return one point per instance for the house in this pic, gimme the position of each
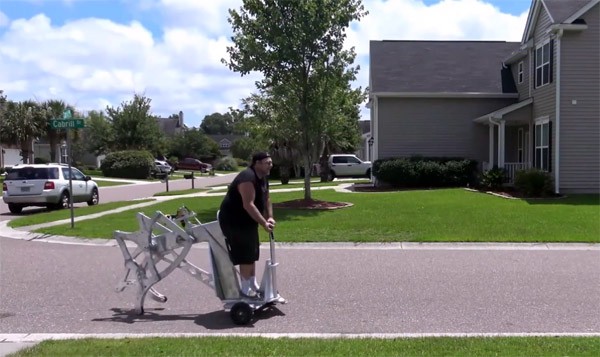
(225, 141)
(172, 125)
(534, 103)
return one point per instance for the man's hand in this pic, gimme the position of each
(269, 225)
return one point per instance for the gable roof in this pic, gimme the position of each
(437, 66)
(559, 11)
(229, 137)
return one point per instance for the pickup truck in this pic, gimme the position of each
(348, 165)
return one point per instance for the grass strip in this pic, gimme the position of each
(248, 346)
(51, 216)
(449, 215)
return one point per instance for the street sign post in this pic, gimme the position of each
(68, 122)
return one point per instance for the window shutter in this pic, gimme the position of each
(550, 75)
(550, 146)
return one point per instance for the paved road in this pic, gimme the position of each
(330, 290)
(131, 191)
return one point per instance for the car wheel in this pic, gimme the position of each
(13, 208)
(95, 198)
(64, 201)
(368, 173)
(331, 176)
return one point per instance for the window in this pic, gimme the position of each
(225, 144)
(520, 141)
(543, 68)
(542, 145)
(520, 70)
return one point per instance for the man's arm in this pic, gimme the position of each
(246, 190)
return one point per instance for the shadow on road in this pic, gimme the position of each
(216, 320)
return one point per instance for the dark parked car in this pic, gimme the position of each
(193, 164)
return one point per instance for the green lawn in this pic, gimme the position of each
(449, 215)
(50, 216)
(245, 346)
(102, 183)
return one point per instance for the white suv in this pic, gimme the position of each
(46, 185)
(348, 165)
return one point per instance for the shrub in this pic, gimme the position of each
(534, 183)
(241, 162)
(40, 160)
(425, 172)
(226, 163)
(128, 164)
(493, 179)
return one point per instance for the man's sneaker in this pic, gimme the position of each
(249, 292)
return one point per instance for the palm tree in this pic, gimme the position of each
(54, 110)
(23, 122)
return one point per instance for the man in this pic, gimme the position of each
(245, 206)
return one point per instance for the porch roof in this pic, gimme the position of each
(498, 114)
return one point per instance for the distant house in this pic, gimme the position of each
(225, 142)
(514, 105)
(172, 125)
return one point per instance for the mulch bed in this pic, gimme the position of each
(311, 204)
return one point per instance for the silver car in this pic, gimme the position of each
(46, 185)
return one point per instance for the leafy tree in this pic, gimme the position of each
(54, 109)
(133, 126)
(298, 47)
(194, 143)
(217, 123)
(98, 133)
(243, 148)
(23, 122)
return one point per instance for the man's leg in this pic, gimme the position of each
(247, 270)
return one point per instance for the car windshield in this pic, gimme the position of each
(33, 173)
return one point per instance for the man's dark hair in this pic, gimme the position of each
(261, 155)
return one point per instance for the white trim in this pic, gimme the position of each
(556, 145)
(531, 20)
(443, 95)
(566, 27)
(581, 11)
(376, 136)
(542, 120)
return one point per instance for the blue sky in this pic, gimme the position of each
(94, 53)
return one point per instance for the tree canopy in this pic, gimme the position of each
(299, 48)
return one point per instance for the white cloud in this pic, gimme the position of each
(95, 62)
(4, 20)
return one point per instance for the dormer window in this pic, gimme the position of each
(543, 64)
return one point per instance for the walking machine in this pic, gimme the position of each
(162, 245)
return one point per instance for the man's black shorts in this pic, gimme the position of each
(242, 242)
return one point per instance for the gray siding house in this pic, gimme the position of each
(513, 105)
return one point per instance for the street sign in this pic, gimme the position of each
(67, 121)
(67, 114)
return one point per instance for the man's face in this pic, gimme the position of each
(264, 166)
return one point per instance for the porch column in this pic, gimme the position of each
(501, 143)
(491, 148)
